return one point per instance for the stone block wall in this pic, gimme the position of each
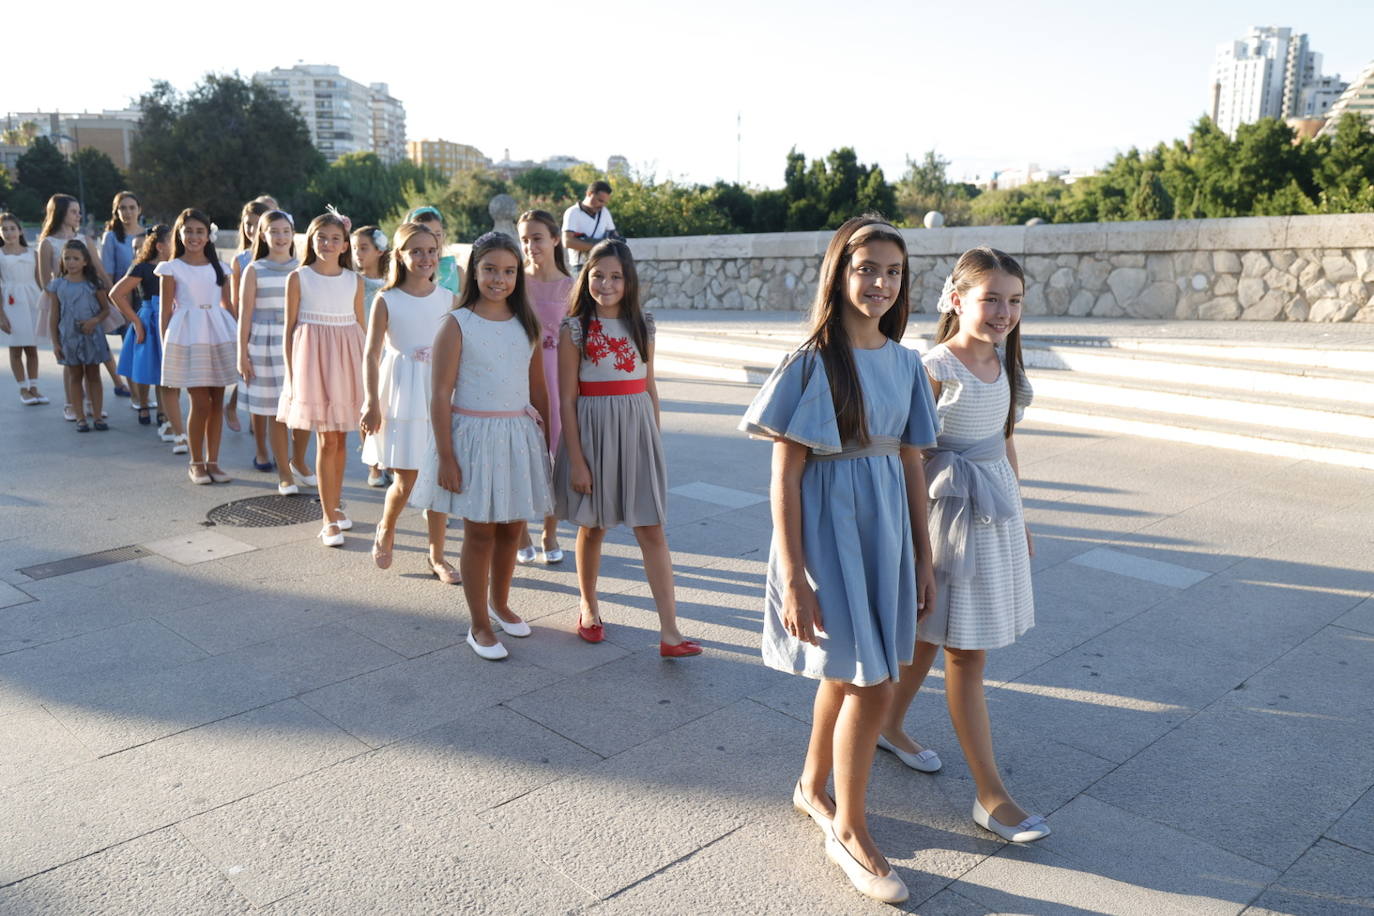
(1301, 268)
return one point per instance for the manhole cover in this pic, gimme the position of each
(266, 511)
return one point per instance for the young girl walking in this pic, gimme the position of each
(136, 297)
(20, 329)
(549, 284)
(262, 320)
(198, 334)
(849, 566)
(610, 469)
(248, 234)
(397, 378)
(78, 304)
(370, 259)
(322, 389)
(449, 275)
(491, 465)
(982, 545)
(62, 224)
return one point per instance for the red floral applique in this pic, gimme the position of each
(599, 346)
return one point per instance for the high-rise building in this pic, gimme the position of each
(445, 156)
(1270, 73)
(1358, 97)
(344, 116)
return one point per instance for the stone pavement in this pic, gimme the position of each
(243, 721)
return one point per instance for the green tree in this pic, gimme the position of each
(463, 202)
(548, 184)
(1151, 201)
(358, 184)
(1345, 165)
(99, 179)
(44, 171)
(226, 141)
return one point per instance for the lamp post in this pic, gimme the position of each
(80, 182)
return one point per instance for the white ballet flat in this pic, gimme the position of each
(526, 555)
(888, 888)
(927, 761)
(287, 489)
(490, 653)
(554, 556)
(799, 801)
(331, 540)
(179, 445)
(344, 522)
(1031, 829)
(308, 480)
(520, 629)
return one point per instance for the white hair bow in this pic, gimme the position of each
(946, 303)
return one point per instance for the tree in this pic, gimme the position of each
(225, 142)
(1345, 165)
(548, 184)
(22, 135)
(1151, 201)
(359, 185)
(44, 171)
(99, 178)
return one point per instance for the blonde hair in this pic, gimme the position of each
(396, 270)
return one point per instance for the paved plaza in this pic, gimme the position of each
(238, 720)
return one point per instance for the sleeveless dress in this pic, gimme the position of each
(550, 303)
(991, 603)
(19, 286)
(55, 245)
(620, 440)
(117, 257)
(77, 302)
(141, 363)
(856, 526)
(371, 287)
(266, 327)
(324, 390)
(502, 456)
(200, 348)
(403, 378)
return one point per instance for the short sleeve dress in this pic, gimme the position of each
(856, 527)
(141, 363)
(20, 288)
(403, 379)
(994, 606)
(200, 348)
(78, 302)
(498, 444)
(619, 435)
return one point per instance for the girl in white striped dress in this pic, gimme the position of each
(980, 541)
(262, 319)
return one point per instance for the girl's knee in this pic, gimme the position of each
(651, 536)
(965, 660)
(478, 534)
(593, 535)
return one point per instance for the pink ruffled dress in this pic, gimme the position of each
(324, 389)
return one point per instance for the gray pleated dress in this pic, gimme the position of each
(620, 439)
(856, 525)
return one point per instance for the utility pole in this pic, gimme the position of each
(739, 144)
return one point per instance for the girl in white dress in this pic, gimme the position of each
(980, 541)
(19, 295)
(199, 337)
(405, 316)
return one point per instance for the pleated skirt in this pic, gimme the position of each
(624, 452)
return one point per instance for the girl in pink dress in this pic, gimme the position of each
(323, 385)
(548, 284)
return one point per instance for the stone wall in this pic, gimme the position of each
(1300, 268)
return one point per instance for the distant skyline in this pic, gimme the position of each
(989, 87)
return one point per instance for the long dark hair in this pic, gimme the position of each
(151, 239)
(116, 225)
(397, 272)
(517, 301)
(582, 306)
(827, 336)
(7, 216)
(370, 232)
(88, 272)
(545, 218)
(179, 249)
(262, 245)
(972, 269)
(317, 224)
(248, 220)
(56, 214)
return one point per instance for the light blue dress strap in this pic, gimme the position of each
(795, 403)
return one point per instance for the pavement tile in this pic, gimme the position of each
(1356, 826)
(1360, 617)
(10, 596)
(1329, 880)
(198, 547)
(33, 743)
(160, 874)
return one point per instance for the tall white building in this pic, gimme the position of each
(344, 116)
(1358, 98)
(1270, 73)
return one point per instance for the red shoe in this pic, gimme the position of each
(591, 634)
(681, 650)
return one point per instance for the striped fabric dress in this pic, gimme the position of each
(200, 348)
(265, 335)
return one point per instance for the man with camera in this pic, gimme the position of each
(587, 222)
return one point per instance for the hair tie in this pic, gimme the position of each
(333, 211)
(379, 239)
(946, 303)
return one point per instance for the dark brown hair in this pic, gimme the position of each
(179, 248)
(316, 225)
(582, 306)
(369, 232)
(517, 301)
(397, 272)
(973, 268)
(599, 186)
(116, 225)
(545, 218)
(10, 217)
(56, 213)
(262, 247)
(828, 337)
(151, 239)
(88, 273)
(248, 219)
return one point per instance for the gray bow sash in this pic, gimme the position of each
(962, 492)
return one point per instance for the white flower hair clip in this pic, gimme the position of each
(333, 211)
(214, 231)
(379, 239)
(946, 303)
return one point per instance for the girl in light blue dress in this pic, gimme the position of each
(849, 564)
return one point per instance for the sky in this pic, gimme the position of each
(990, 85)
